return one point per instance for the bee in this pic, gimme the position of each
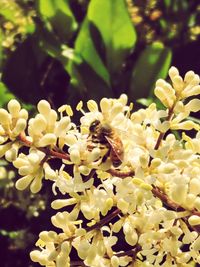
(105, 135)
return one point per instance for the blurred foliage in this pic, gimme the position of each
(67, 50)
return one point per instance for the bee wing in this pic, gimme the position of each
(116, 147)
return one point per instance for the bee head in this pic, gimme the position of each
(106, 129)
(94, 125)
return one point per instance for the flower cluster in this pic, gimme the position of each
(126, 177)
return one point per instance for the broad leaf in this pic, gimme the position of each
(86, 49)
(59, 18)
(111, 19)
(21, 71)
(105, 39)
(5, 95)
(152, 64)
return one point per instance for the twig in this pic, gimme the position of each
(176, 207)
(77, 263)
(161, 135)
(131, 252)
(103, 221)
(47, 151)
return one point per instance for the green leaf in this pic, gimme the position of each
(105, 39)
(145, 101)
(167, 3)
(22, 71)
(59, 17)
(84, 46)
(5, 95)
(111, 20)
(7, 13)
(152, 64)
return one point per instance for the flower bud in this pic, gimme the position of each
(11, 154)
(105, 105)
(117, 108)
(131, 237)
(123, 99)
(65, 247)
(4, 149)
(197, 203)
(47, 139)
(196, 244)
(193, 105)
(39, 124)
(75, 156)
(195, 186)
(70, 139)
(62, 125)
(24, 182)
(14, 108)
(144, 160)
(53, 255)
(179, 193)
(23, 114)
(82, 231)
(44, 108)
(123, 205)
(44, 236)
(52, 120)
(191, 91)
(173, 71)
(178, 83)
(50, 174)
(115, 261)
(34, 158)
(161, 94)
(5, 118)
(84, 170)
(189, 237)
(94, 155)
(194, 220)
(36, 184)
(61, 260)
(189, 76)
(35, 255)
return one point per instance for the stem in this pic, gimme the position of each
(77, 263)
(103, 221)
(165, 199)
(47, 151)
(161, 135)
(55, 154)
(131, 252)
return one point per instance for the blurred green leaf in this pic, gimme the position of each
(152, 64)
(145, 101)
(22, 71)
(167, 3)
(85, 47)
(114, 26)
(5, 95)
(59, 16)
(7, 13)
(103, 43)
